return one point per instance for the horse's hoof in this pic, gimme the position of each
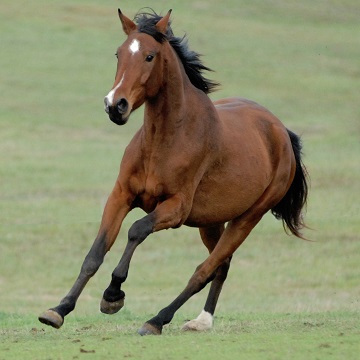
(107, 307)
(203, 322)
(52, 318)
(148, 329)
(193, 325)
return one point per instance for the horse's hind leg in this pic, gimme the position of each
(205, 319)
(210, 237)
(235, 233)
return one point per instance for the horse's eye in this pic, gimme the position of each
(149, 58)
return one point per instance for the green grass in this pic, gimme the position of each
(292, 336)
(59, 157)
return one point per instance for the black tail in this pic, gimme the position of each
(289, 209)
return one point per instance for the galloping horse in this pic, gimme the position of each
(216, 166)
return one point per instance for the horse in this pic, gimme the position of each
(218, 166)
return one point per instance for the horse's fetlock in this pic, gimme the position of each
(112, 295)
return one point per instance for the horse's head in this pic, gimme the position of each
(138, 76)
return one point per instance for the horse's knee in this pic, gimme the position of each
(139, 231)
(95, 257)
(90, 266)
(92, 263)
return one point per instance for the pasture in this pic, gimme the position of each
(59, 157)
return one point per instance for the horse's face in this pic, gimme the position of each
(138, 76)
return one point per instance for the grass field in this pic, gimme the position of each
(59, 156)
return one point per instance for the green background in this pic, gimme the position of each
(59, 158)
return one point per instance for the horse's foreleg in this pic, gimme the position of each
(115, 210)
(113, 298)
(166, 214)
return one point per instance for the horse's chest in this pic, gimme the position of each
(152, 192)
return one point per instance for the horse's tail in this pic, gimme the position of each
(290, 207)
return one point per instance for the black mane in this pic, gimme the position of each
(190, 59)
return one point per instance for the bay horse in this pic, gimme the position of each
(219, 166)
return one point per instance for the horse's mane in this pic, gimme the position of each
(193, 66)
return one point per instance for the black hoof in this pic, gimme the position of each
(148, 329)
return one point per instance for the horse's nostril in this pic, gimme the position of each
(122, 106)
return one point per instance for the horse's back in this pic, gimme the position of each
(248, 124)
(249, 127)
(235, 101)
(241, 111)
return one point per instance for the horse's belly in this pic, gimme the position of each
(216, 202)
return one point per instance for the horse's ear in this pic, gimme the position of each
(163, 23)
(127, 24)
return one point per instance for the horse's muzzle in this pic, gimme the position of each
(118, 113)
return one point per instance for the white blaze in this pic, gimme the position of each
(134, 46)
(110, 95)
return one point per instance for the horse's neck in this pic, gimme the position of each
(178, 109)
